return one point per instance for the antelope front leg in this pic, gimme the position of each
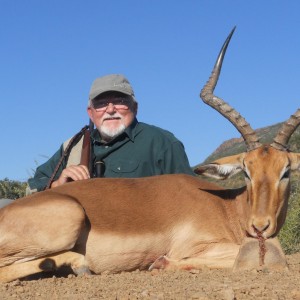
(191, 263)
(219, 256)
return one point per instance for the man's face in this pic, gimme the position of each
(112, 113)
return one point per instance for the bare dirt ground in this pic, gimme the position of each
(198, 284)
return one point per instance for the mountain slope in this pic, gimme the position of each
(265, 134)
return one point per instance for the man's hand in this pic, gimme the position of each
(74, 173)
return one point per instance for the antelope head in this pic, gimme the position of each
(266, 167)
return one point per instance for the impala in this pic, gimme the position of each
(161, 222)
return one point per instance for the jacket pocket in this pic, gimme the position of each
(123, 166)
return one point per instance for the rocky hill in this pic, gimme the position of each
(265, 134)
(237, 145)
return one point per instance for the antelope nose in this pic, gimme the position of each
(261, 225)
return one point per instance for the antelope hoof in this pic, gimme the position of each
(82, 270)
(160, 263)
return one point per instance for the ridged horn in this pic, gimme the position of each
(222, 107)
(281, 140)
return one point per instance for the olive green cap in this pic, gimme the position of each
(113, 82)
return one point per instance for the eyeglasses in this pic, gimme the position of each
(118, 103)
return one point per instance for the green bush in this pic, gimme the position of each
(12, 189)
(289, 235)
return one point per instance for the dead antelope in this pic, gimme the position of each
(165, 222)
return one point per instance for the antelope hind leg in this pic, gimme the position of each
(249, 258)
(48, 263)
(35, 227)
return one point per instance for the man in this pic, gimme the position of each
(126, 147)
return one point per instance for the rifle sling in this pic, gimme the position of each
(75, 139)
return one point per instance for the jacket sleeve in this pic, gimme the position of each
(174, 160)
(44, 172)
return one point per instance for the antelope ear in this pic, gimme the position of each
(222, 168)
(295, 161)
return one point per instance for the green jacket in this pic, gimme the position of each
(142, 150)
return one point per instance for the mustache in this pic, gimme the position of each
(115, 115)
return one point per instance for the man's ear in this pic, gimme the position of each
(222, 168)
(135, 106)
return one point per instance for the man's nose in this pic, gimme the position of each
(110, 108)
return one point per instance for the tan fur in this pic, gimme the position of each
(126, 224)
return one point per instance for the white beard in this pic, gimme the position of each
(107, 134)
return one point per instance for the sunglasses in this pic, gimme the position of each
(118, 103)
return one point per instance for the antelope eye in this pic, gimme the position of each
(246, 175)
(286, 174)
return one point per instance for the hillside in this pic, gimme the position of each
(237, 145)
(265, 134)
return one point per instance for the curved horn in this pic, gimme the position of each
(222, 107)
(288, 127)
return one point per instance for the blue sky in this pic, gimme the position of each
(51, 51)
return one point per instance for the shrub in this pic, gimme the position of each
(12, 189)
(289, 235)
